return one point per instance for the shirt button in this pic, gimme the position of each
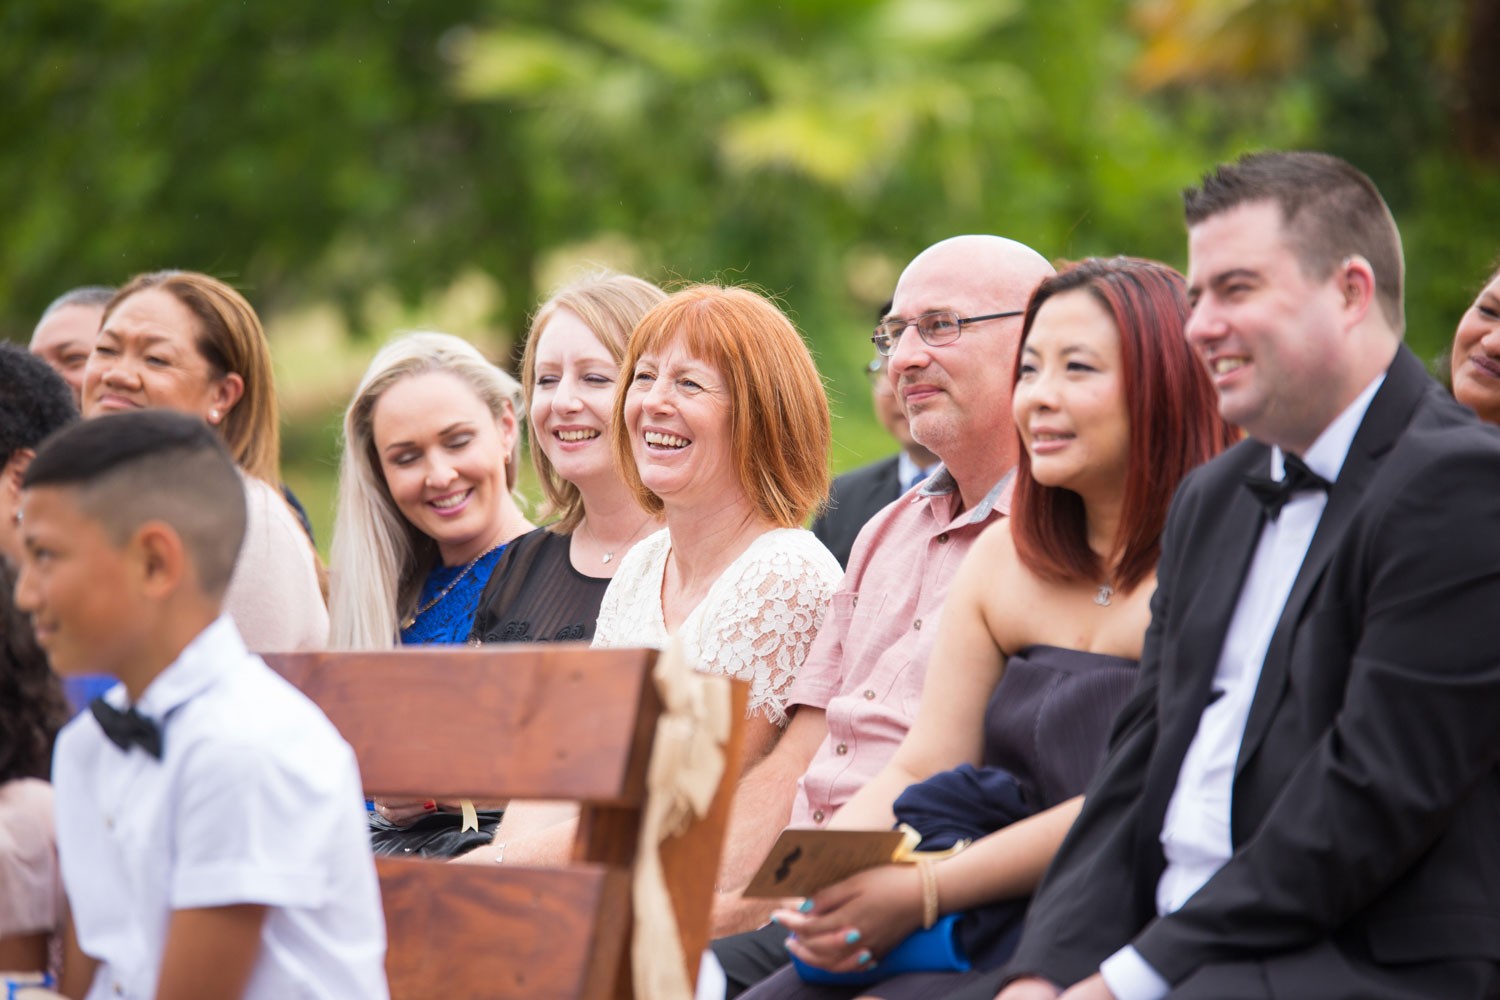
(943, 537)
(818, 816)
(119, 990)
(841, 749)
(869, 696)
(917, 624)
(855, 602)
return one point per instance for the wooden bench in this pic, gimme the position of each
(545, 721)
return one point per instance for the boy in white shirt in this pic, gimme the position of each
(211, 826)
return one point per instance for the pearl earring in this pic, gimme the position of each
(213, 415)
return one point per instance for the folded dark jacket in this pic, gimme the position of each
(968, 803)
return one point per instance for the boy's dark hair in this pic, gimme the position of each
(154, 465)
(34, 401)
(1329, 209)
(32, 707)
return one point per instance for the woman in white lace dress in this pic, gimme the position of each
(721, 426)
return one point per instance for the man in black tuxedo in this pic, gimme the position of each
(1302, 797)
(860, 494)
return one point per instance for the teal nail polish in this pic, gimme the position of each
(775, 919)
(865, 958)
(805, 906)
(851, 937)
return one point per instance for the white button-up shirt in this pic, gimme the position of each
(256, 799)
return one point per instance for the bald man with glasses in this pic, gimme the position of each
(949, 340)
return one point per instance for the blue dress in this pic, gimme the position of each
(452, 618)
(448, 621)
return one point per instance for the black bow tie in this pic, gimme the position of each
(1297, 478)
(127, 727)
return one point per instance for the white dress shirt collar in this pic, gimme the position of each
(1326, 454)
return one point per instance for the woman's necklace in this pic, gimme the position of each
(1105, 593)
(611, 553)
(411, 619)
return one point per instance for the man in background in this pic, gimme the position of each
(950, 343)
(859, 494)
(64, 336)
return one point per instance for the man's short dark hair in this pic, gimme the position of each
(34, 401)
(85, 295)
(154, 465)
(1329, 209)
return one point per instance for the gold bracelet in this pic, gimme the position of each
(929, 893)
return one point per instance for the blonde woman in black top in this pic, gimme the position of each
(549, 582)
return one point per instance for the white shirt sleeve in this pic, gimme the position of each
(252, 827)
(1130, 977)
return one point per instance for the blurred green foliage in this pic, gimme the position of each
(348, 153)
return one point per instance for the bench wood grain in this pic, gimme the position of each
(546, 721)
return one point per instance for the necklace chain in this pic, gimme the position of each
(628, 538)
(411, 619)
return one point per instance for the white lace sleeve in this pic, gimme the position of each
(764, 617)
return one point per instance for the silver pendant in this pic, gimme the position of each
(608, 556)
(1105, 593)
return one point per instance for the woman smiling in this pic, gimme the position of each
(424, 515)
(549, 582)
(184, 341)
(1476, 354)
(721, 427)
(424, 503)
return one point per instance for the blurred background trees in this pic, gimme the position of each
(362, 167)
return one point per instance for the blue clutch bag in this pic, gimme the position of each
(933, 950)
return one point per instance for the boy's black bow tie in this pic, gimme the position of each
(127, 727)
(1297, 478)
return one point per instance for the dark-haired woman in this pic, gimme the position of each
(184, 341)
(1476, 354)
(32, 710)
(1042, 630)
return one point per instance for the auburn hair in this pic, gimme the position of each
(1174, 426)
(780, 430)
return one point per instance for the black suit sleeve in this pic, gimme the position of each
(1415, 733)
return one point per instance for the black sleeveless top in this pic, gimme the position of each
(535, 594)
(1049, 719)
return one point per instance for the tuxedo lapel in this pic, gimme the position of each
(1210, 607)
(1389, 413)
(1213, 572)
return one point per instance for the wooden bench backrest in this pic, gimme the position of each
(547, 721)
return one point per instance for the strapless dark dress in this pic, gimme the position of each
(1049, 717)
(1046, 725)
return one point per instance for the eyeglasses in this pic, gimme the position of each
(935, 328)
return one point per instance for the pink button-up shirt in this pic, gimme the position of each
(866, 667)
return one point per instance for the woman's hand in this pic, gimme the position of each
(404, 812)
(852, 923)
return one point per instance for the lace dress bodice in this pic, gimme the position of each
(756, 623)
